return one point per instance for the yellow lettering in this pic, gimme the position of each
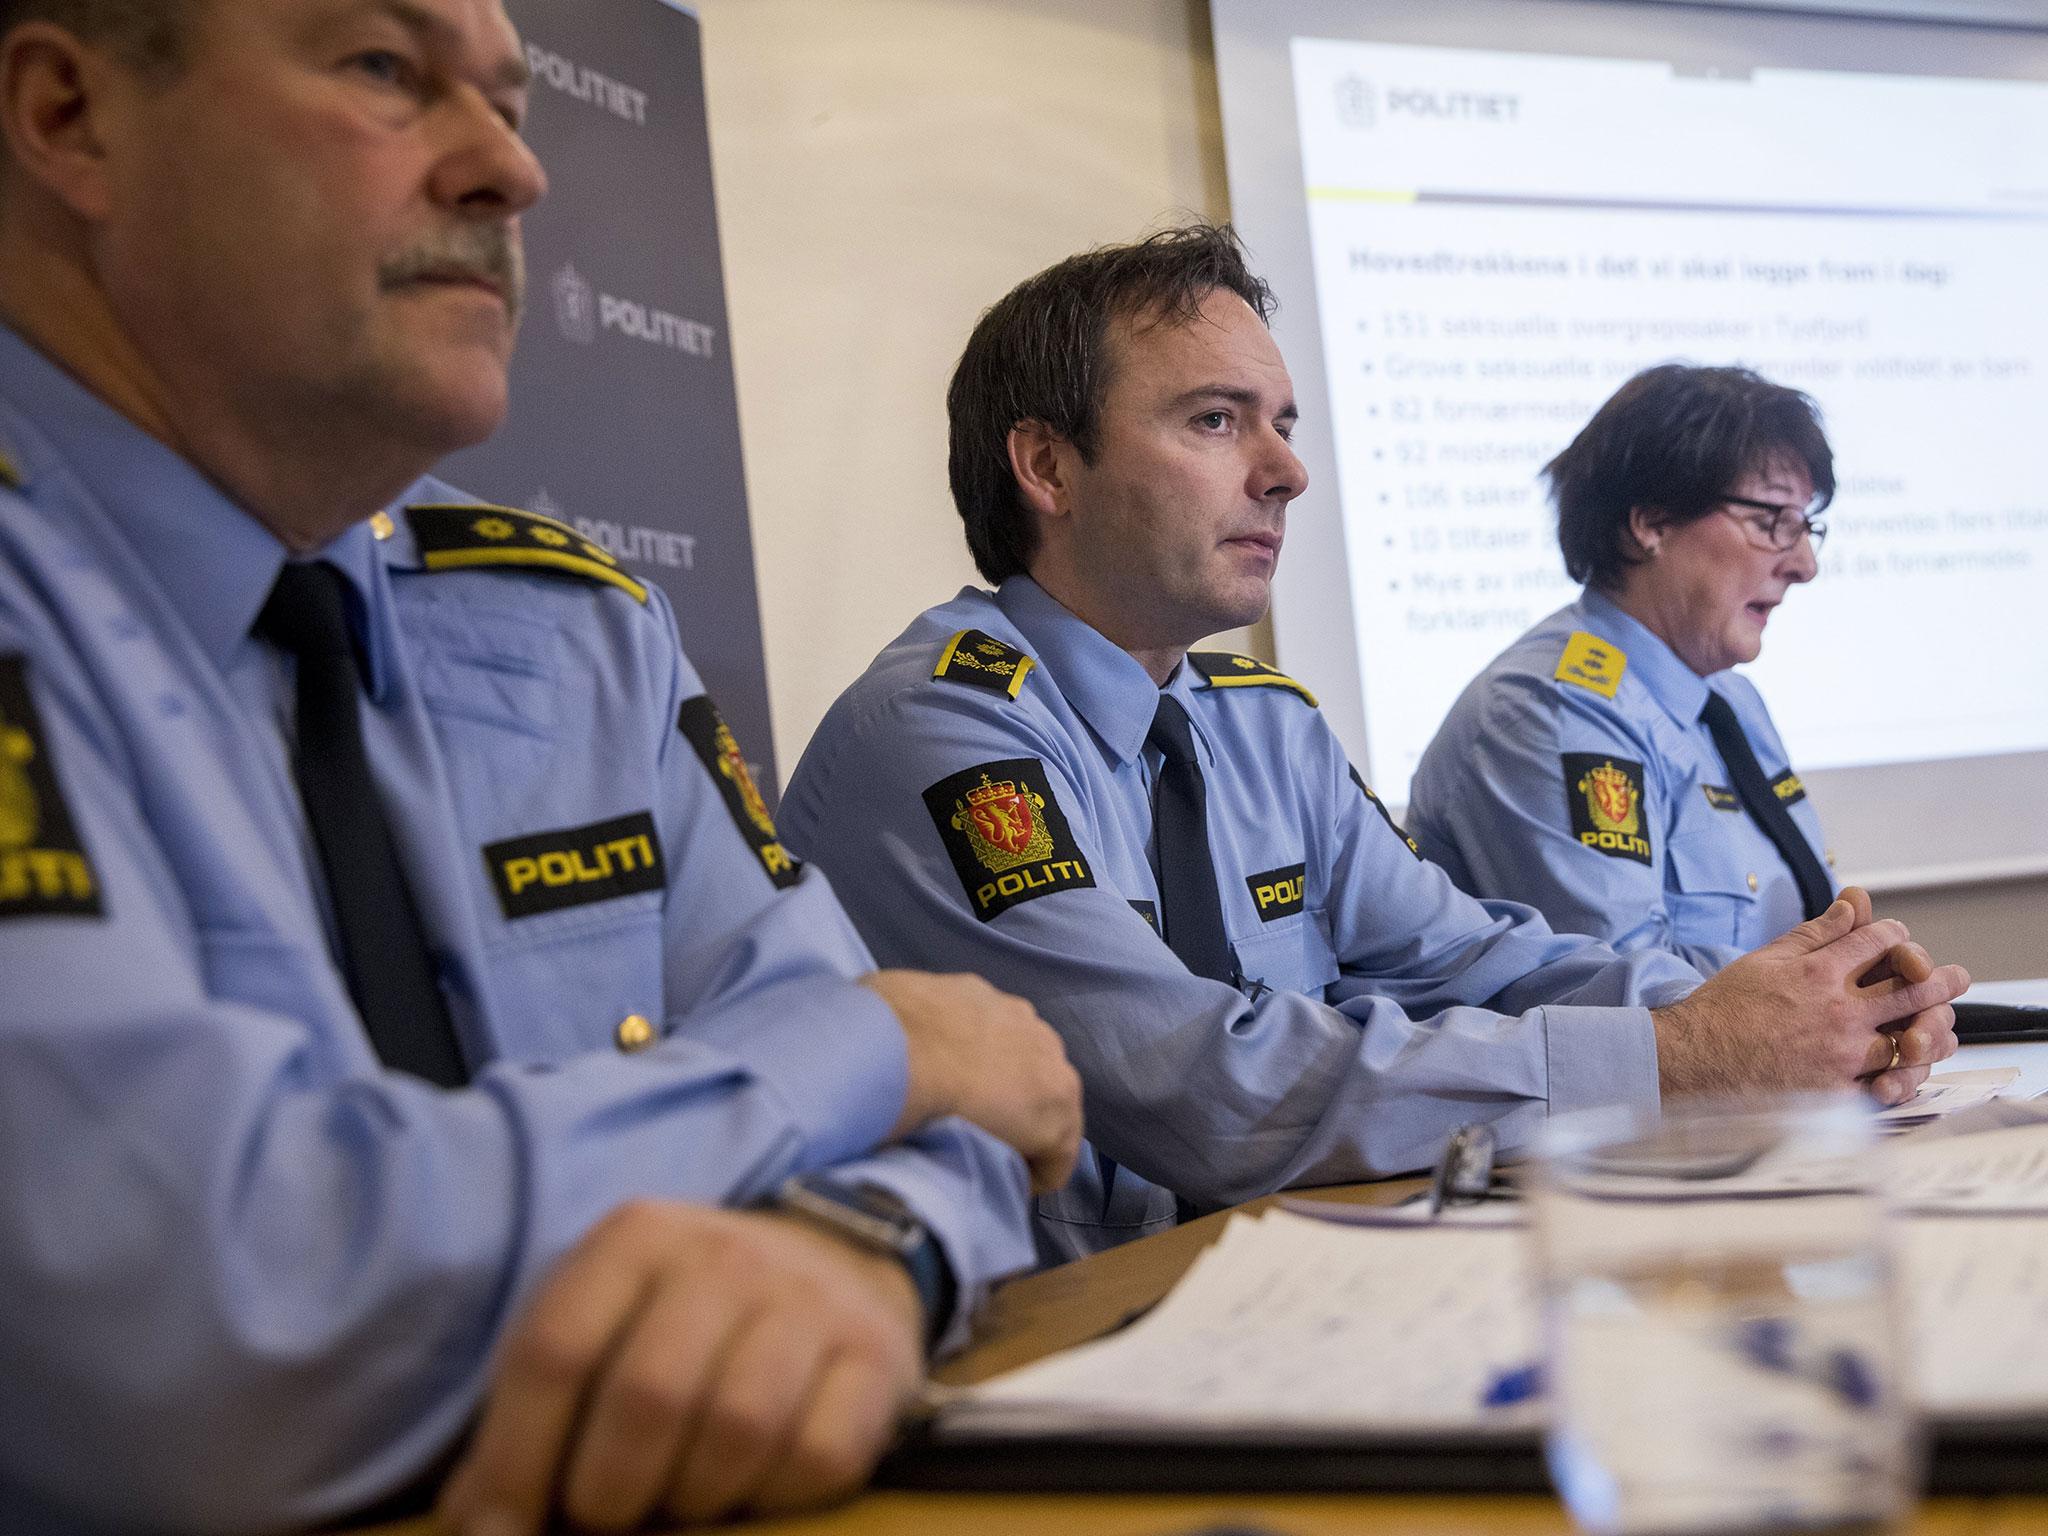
(776, 857)
(1616, 842)
(519, 874)
(646, 851)
(50, 873)
(46, 868)
(557, 869)
(1039, 877)
(1278, 894)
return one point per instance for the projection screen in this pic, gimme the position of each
(1480, 217)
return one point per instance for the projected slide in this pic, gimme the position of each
(1500, 239)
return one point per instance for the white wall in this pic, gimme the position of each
(886, 170)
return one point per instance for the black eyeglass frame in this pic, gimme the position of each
(1809, 526)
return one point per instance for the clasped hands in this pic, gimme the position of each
(1821, 1007)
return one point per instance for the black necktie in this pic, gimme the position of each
(1764, 807)
(1192, 912)
(383, 949)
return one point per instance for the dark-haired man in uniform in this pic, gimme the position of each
(1260, 980)
(399, 973)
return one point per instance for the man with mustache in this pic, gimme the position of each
(401, 975)
(1261, 982)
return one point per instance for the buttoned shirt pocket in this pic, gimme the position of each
(1710, 896)
(1292, 955)
(572, 985)
(489, 667)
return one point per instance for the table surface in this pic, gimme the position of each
(1037, 1314)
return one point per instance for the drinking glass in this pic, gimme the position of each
(1723, 1336)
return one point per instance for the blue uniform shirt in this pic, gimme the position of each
(998, 819)
(251, 1279)
(1523, 792)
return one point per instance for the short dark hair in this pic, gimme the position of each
(1042, 353)
(1675, 438)
(148, 34)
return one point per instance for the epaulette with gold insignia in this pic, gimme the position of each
(452, 537)
(1226, 669)
(1592, 663)
(982, 661)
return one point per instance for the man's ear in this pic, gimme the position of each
(1645, 528)
(54, 90)
(1041, 460)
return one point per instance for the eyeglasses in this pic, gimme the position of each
(1781, 526)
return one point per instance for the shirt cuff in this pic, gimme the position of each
(830, 1049)
(1594, 1057)
(972, 1194)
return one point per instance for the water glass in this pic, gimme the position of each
(1723, 1332)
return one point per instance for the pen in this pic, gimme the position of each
(1771, 1343)
(1519, 1385)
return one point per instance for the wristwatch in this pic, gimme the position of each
(870, 1217)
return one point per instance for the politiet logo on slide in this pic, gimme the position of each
(1358, 102)
(1362, 104)
(582, 311)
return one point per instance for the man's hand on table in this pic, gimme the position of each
(1821, 1007)
(687, 1363)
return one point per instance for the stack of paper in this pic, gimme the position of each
(1292, 1324)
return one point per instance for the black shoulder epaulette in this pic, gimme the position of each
(982, 661)
(1226, 669)
(451, 537)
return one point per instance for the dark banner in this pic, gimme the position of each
(624, 421)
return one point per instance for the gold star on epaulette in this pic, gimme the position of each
(982, 661)
(1227, 669)
(452, 537)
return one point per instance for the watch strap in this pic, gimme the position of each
(875, 1218)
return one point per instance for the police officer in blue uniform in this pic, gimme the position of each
(402, 970)
(1260, 980)
(1609, 768)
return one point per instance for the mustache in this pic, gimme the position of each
(490, 251)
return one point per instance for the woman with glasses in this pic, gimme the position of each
(1609, 768)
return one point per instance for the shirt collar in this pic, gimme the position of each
(356, 555)
(1679, 690)
(214, 562)
(1102, 680)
